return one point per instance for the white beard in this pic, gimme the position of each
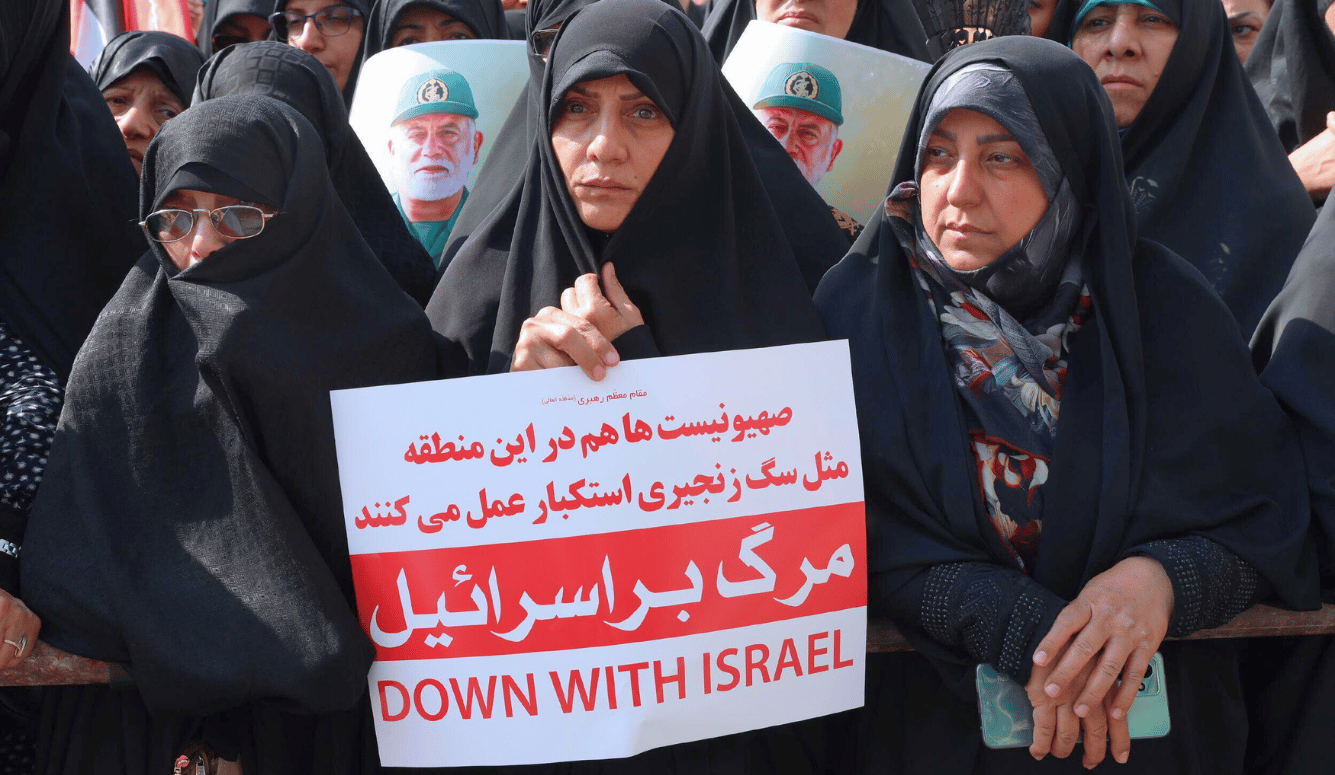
(433, 188)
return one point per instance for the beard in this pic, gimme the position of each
(432, 187)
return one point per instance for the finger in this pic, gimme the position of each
(1110, 664)
(1045, 726)
(1119, 733)
(1068, 731)
(616, 294)
(1132, 674)
(1076, 658)
(589, 294)
(570, 301)
(1095, 727)
(1070, 621)
(536, 355)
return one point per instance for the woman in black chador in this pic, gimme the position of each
(191, 530)
(889, 25)
(1066, 450)
(289, 74)
(1209, 179)
(390, 24)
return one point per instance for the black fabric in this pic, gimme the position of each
(289, 74)
(1292, 67)
(218, 11)
(191, 527)
(365, 7)
(702, 253)
(890, 25)
(1209, 178)
(810, 228)
(170, 57)
(67, 233)
(1143, 454)
(486, 17)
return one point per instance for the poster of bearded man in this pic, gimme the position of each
(838, 108)
(425, 118)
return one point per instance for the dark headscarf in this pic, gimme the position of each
(1142, 452)
(814, 236)
(1292, 67)
(191, 526)
(1294, 349)
(702, 252)
(67, 233)
(218, 11)
(289, 74)
(486, 17)
(890, 25)
(1209, 178)
(169, 57)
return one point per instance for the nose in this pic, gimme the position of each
(1124, 39)
(137, 124)
(964, 189)
(609, 141)
(310, 40)
(435, 146)
(790, 144)
(205, 239)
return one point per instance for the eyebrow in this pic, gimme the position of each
(1004, 137)
(1240, 16)
(405, 26)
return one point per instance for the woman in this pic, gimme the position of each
(662, 232)
(1045, 479)
(1200, 154)
(810, 228)
(1292, 67)
(396, 23)
(289, 74)
(146, 78)
(890, 25)
(229, 22)
(191, 529)
(329, 30)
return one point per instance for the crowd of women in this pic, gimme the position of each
(1091, 332)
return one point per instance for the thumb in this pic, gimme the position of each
(613, 290)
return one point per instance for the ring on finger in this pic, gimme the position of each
(20, 645)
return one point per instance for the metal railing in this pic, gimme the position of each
(49, 666)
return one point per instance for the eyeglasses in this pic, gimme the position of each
(221, 42)
(332, 21)
(235, 221)
(540, 42)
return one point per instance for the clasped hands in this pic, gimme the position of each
(1110, 631)
(581, 332)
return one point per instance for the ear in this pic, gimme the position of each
(838, 146)
(477, 146)
(390, 144)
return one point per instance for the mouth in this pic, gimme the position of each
(602, 184)
(433, 169)
(136, 156)
(1120, 80)
(798, 17)
(964, 229)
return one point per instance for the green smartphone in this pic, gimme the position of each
(1008, 718)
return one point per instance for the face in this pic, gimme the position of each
(980, 195)
(1128, 46)
(609, 139)
(1245, 18)
(203, 239)
(240, 28)
(1040, 16)
(338, 53)
(424, 24)
(828, 17)
(811, 140)
(1330, 18)
(141, 104)
(433, 154)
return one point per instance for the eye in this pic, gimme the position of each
(576, 108)
(646, 113)
(167, 113)
(936, 152)
(459, 36)
(1243, 30)
(408, 41)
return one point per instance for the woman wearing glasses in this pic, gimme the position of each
(192, 529)
(330, 30)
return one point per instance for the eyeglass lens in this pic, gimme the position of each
(235, 221)
(332, 21)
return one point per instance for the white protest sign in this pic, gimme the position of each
(839, 108)
(555, 569)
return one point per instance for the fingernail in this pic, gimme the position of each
(1052, 690)
(1122, 757)
(598, 373)
(1082, 710)
(1040, 657)
(1117, 713)
(611, 359)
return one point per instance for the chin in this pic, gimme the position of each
(601, 220)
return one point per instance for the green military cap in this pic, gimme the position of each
(804, 86)
(435, 91)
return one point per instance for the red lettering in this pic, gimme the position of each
(611, 689)
(474, 693)
(679, 679)
(813, 652)
(753, 664)
(788, 658)
(837, 663)
(634, 671)
(384, 701)
(708, 688)
(576, 683)
(729, 669)
(529, 701)
(440, 692)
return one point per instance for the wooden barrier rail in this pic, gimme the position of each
(49, 666)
